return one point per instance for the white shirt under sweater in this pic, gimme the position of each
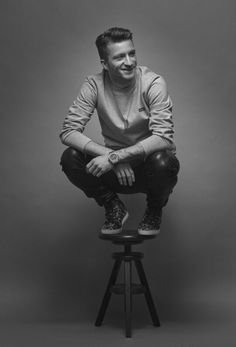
(126, 116)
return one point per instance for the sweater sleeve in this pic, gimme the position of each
(80, 113)
(160, 109)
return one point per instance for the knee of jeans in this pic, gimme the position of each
(70, 158)
(163, 163)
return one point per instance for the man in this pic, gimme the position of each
(135, 113)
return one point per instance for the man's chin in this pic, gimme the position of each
(128, 74)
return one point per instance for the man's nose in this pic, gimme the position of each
(128, 60)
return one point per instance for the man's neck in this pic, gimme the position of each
(122, 84)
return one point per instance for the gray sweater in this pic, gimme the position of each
(125, 120)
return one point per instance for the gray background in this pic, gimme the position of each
(53, 266)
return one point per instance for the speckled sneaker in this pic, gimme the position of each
(116, 215)
(150, 223)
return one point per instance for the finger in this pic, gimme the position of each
(119, 178)
(99, 174)
(123, 176)
(93, 170)
(132, 175)
(128, 177)
(90, 167)
(96, 172)
(90, 164)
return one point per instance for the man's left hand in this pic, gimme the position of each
(99, 165)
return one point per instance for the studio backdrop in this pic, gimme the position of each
(53, 265)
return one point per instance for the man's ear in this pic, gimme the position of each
(104, 64)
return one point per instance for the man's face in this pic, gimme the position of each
(121, 61)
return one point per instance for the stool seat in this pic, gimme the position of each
(127, 238)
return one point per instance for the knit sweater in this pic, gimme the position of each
(126, 117)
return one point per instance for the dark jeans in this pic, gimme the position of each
(156, 177)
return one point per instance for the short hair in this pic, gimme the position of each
(114, 34)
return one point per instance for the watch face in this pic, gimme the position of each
(114, 158)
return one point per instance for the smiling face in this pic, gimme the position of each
(120, 62)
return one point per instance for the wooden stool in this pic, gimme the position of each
(127, 238)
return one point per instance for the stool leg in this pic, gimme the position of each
(107, 294)
(127, 297)
(147, 293)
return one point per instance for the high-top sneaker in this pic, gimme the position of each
(115, 216)
(151, 221)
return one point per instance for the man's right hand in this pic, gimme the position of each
(124, 173)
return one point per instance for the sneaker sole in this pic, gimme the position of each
(148, 232)
(115, 231)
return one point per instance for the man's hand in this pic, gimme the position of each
(99, 165)
(124, 173)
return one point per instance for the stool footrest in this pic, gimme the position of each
(136, 288)
(127, 256)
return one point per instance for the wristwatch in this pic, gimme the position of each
(113, 158)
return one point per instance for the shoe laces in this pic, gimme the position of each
(151, 215)
(114, 211)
